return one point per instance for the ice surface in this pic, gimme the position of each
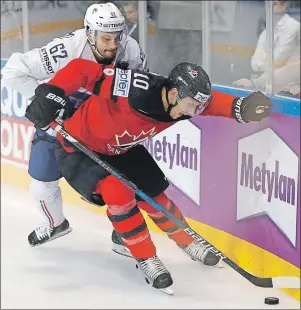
(79, 270)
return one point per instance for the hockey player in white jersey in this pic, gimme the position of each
(103, 40)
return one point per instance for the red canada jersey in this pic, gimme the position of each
(125, 107)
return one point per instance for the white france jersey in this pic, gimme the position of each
(24, 72)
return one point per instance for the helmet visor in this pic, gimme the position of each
(190, 106)
(109, 36)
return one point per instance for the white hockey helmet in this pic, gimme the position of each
(104, 17)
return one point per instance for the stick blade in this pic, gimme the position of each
(286, 282)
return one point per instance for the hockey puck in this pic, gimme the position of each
(271, 300)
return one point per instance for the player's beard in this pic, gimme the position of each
(109, 54)
(103, 59)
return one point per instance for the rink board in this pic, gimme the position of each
(237, 184)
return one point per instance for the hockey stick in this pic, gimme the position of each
(280, 282)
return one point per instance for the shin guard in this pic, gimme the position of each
(126, 217)
(166, 225)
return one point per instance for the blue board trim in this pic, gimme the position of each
(283, 105)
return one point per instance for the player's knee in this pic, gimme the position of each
(114, 192)
(44, 190)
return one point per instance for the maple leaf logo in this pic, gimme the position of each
(194, 73)
(125, 141)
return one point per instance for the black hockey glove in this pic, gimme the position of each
(253, 108)
(46, 104)
(123, 65)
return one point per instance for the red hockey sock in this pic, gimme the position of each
(126, 217)
(169, 227)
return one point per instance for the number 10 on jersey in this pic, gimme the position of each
(141, 81)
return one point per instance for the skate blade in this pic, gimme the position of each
(121, 250)
(167, 291)
(219, 265)
(63, 233)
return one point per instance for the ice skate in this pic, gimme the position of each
(198, 252)
(156, 274)
(45, 233)
(118, 245)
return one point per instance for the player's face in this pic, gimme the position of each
(186, 106)
(107, 43)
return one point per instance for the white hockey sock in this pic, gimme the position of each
(49, 200)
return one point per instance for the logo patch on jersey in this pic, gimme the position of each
(125, 141)
(46, 61)
(122, 83)
(108, 71)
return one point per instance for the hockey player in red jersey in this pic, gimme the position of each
(128, 106)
